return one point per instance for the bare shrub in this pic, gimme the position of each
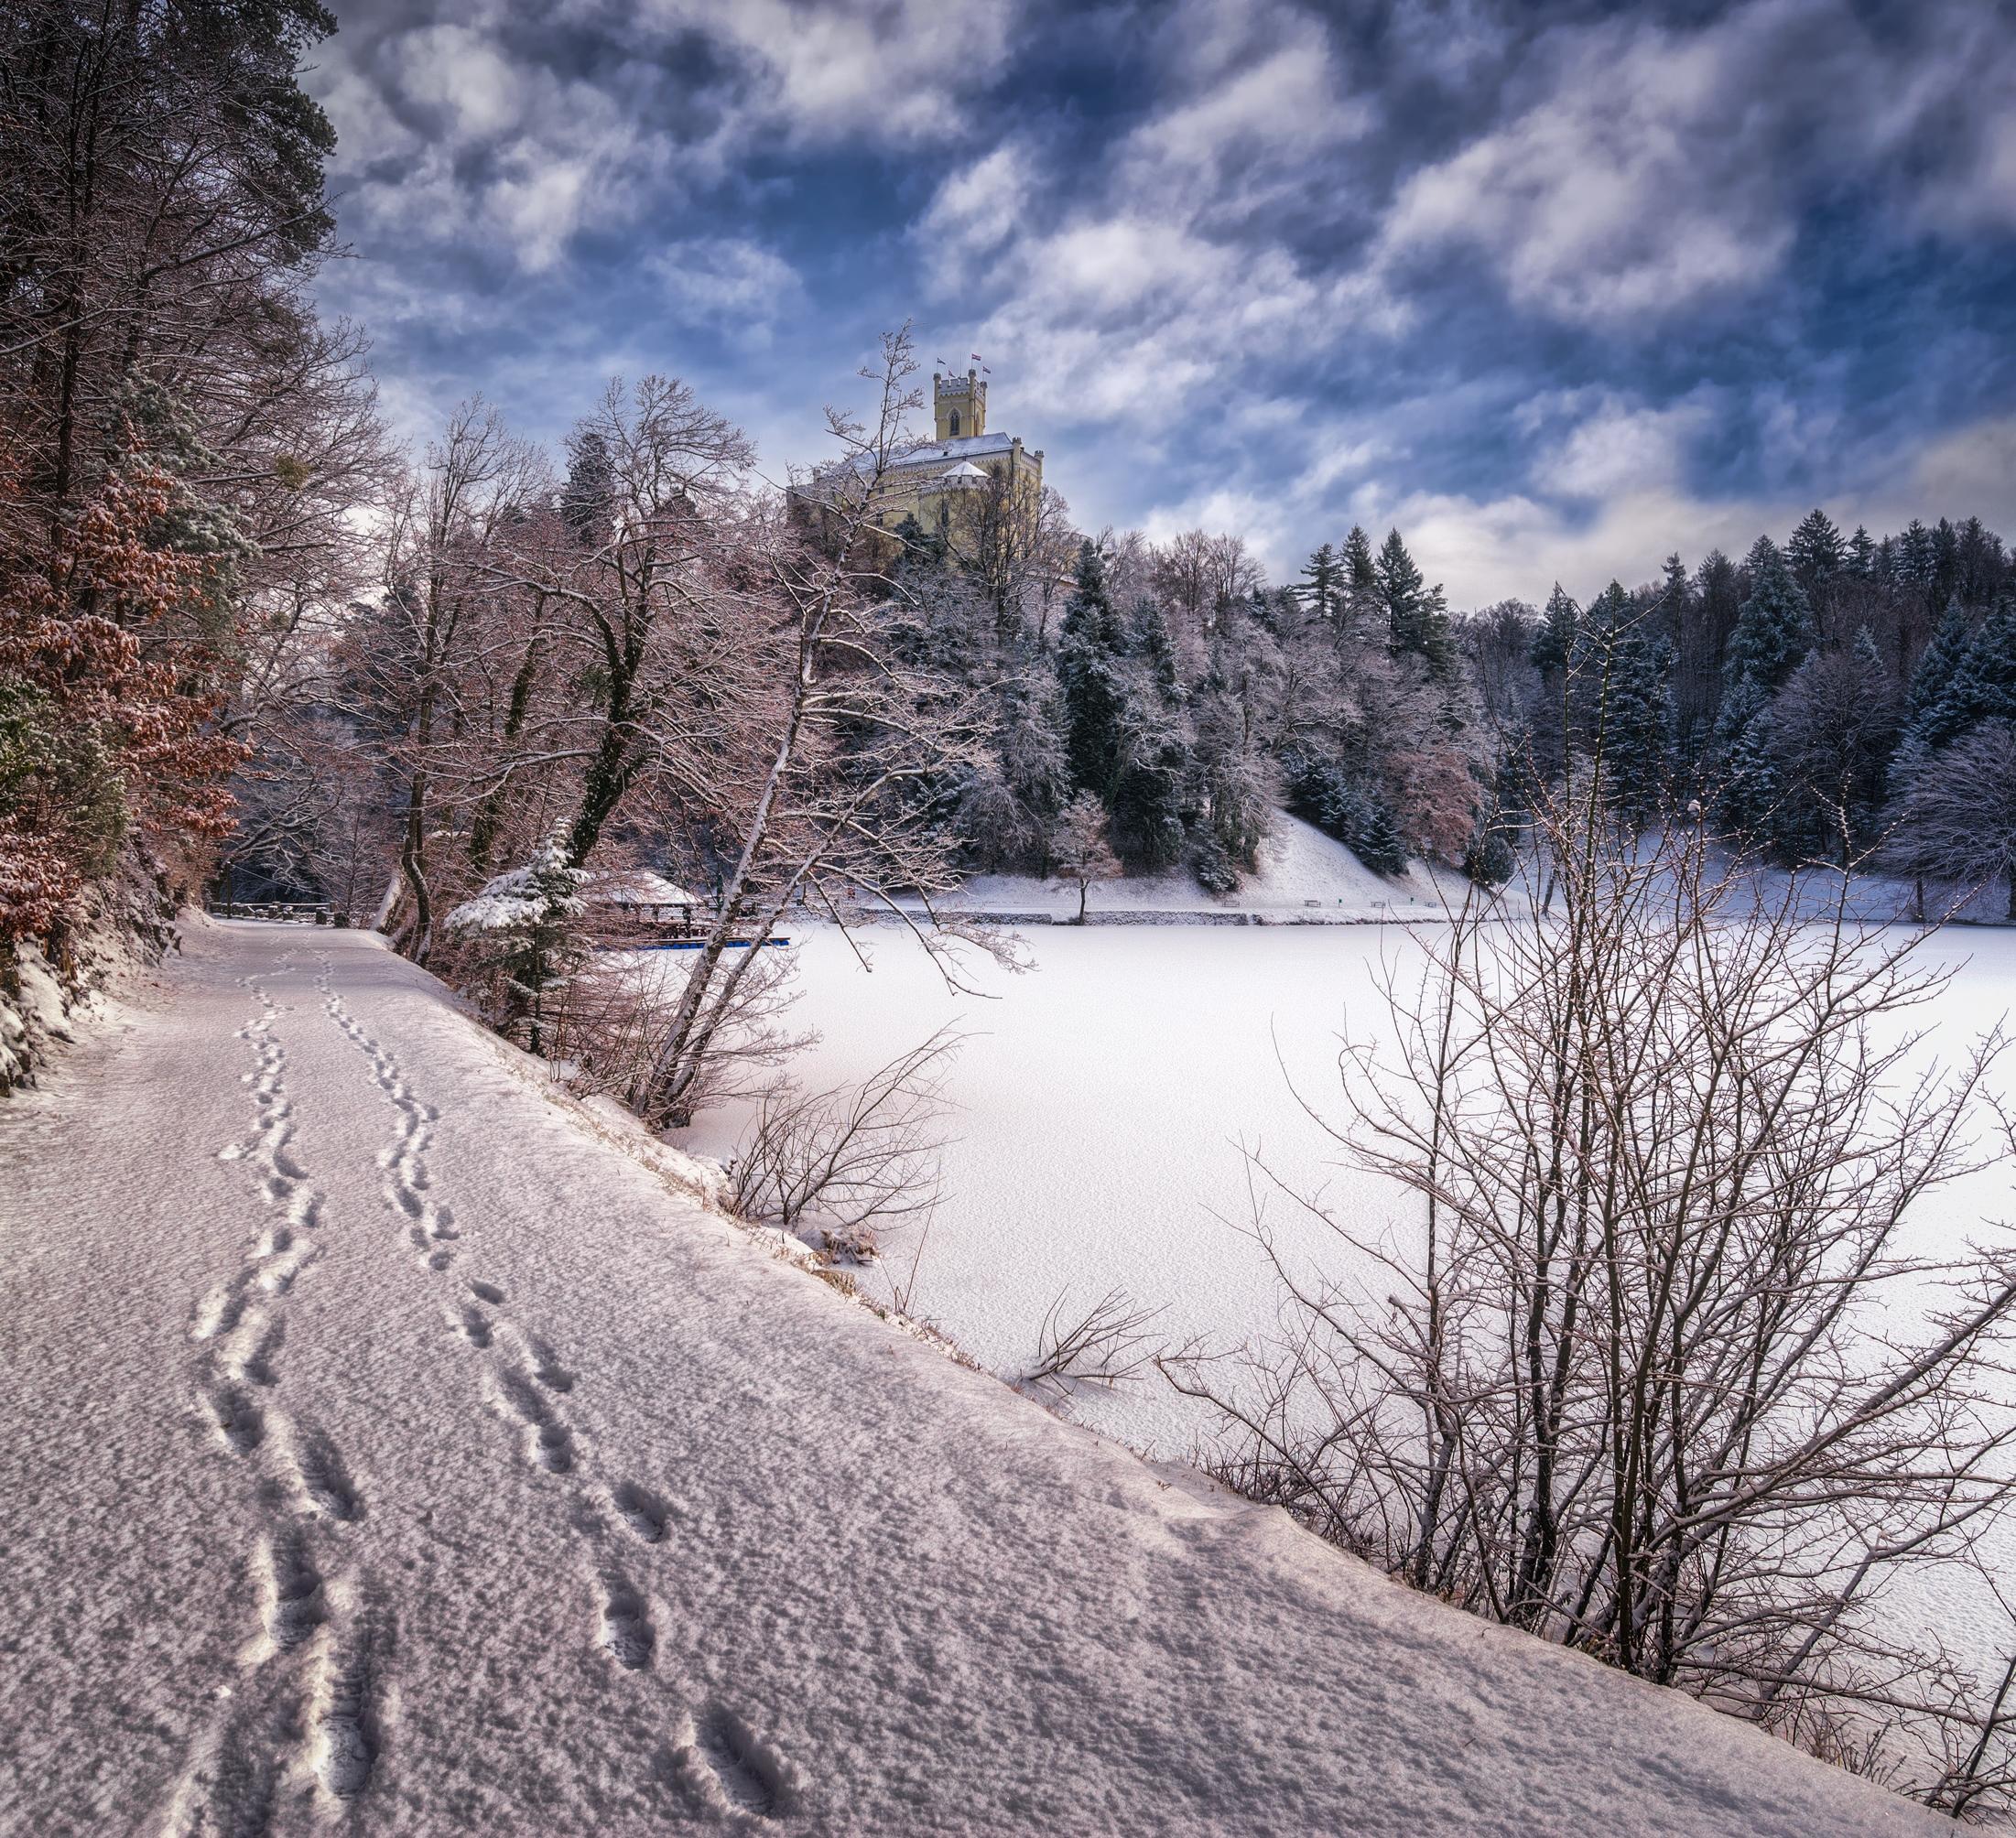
(849, 1161)
(1650, 1365)
(1109, 1345)
(617, 1010)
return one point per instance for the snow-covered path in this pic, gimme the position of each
(385, 1449)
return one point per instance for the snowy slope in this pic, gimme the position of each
(1301, 871)
(385, 1448)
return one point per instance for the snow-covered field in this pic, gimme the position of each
(385, 1446)
(1105, 1096)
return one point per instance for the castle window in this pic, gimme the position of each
(954, 424)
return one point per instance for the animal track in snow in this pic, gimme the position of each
(725, 1770)
(487, 1292)
(408, 1183)
(235, 1777)
(263, 1340)
(219, 1311)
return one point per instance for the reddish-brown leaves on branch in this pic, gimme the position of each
(107, 693)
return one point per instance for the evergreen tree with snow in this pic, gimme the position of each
(1834, 727)
(1748, 795)
(1620, 701)
(1364, 608)
(1322, 587)
(1095, 692)
(1982, 688)
(1775, 627)
(1816, 552)
(1554, 640)
(587, 498)
(1149, 640)
(1913, 563)
(1148, 802)
(523, 930)
(1417, 619)
(1861, 555)
(1936, 668)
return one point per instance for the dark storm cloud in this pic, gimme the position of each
(1554, 287)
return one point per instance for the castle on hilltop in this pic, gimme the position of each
(944, 483)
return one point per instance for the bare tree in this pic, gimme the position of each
(437, 593)
(1080, 851)
(1956, 819)
(1637, 1370)
(833, 793)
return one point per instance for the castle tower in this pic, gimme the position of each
(960, 404)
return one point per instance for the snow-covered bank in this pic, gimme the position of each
(118, 926)
(381, 1442)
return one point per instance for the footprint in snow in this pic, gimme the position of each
(627, 1632)
(642, 1510)
(723, 1769)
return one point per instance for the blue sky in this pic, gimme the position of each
(1555, 288)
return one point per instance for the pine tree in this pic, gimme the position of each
(1915, 564)
(1834, 727)
(1930, 681)
(1417, 619)
(1149, 641)
(1147, 800)
(1773, 627)
(1945, 561)
(1620, 702)
(1555, 641)
(1748, 799)
(1861, 555)
(1322, 589)
(1095, 693)
(587, 500)
(1983, 686)
(524, 926)
(1364, 610)
(1816, 551)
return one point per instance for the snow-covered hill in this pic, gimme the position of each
(385, 1444)
(1302, 873)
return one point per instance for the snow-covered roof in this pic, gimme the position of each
(967, 474)
(937, 453)
(638, 887)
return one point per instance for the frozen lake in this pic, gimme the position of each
(1106, 1092)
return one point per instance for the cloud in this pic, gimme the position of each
(1521, 544)
(1618, 449)
(977, 209)
(1130, 286)
(446, 135)
(738, 287)
(1653, 170)
(899, 71)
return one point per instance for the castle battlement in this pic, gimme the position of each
(958, 406)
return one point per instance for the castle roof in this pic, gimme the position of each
(938, 452)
